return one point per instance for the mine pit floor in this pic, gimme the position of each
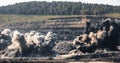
(108, 57)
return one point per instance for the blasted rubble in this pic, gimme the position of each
(101, 38)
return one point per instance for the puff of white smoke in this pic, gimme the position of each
(50, 36)
(50, 39)
(16, 46)
(15, 41)
(93, 38)
(91, 34)
(76, 40)
(26, 34)
(29, 36)
(29, 39)
(84, 37)
(100, 34)
(38, 39)
(18, 42)
(34, 38)
(16, 34)
(6, 32)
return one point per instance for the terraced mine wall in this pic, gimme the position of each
(66, 28)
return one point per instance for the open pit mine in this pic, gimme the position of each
(97, 42)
